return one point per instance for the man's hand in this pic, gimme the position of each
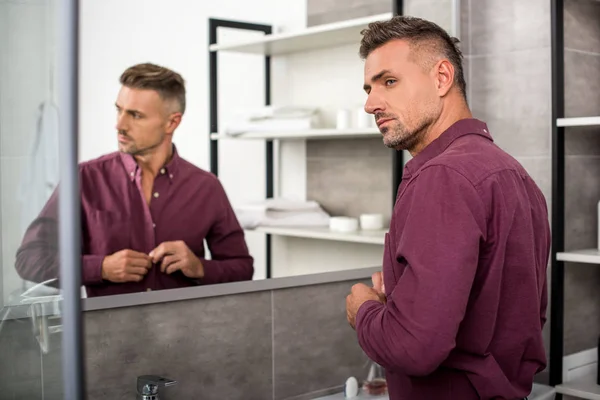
(125, 266)
(359, 295)
(177, 256)
(378, 284)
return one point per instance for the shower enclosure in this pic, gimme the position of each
(37, 151)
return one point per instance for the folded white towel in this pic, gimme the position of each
(272, 118)
(282, 212)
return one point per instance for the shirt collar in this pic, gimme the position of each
(170, 168)
(463, 127)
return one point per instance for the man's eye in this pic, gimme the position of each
(390, 82)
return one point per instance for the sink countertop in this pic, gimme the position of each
(361, 396)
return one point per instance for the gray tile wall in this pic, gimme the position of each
(264, 345)
(327, 11)
(350, 177)
(508, 62)
(582, 175)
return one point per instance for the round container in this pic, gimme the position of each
(344, 119)
(371, 222)
(343, 224)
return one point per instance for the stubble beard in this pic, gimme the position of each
(399, 137)
(133, 149)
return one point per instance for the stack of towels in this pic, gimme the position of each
(282, 212)
(272, 119)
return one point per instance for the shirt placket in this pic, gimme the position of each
(149, 231)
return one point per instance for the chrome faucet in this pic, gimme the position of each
(148, 385)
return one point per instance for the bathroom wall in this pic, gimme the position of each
(263, 345)
(26, 54)
(582, 175)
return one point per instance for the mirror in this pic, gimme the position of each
(152, 117)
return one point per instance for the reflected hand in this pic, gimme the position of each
(378, 284)
(360, 294)
(125, 266)
(177, 256)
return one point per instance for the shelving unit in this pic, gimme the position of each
(277, 44)
(368, 237)
(588, 256)
(581, 387)
(317, 37)
(312, 134)
(579, 121)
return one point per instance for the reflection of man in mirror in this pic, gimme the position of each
(145, 211)
(459, 309)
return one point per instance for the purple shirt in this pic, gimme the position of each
(465, 275)
(187, 204)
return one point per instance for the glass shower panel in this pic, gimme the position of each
(30, 306)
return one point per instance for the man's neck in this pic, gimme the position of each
(151, 163)
(446, 120)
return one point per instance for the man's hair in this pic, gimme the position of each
(428, 39)
(169, 84)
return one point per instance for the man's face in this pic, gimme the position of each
(143, 120)
(401, 95)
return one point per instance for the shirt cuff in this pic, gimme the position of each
(366, 308)
(211, 272)
(92, 269)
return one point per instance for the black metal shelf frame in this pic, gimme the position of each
(213, 25)
(557, 287)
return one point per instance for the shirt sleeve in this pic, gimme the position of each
(38, 260)
(230, 259)
(416, 329)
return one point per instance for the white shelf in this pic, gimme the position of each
(327, 35)
(303, 134)
(590, 256)
(583, 388)
(368, 237)
(580, 121)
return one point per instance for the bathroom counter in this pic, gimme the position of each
(361, 396)
(539, 392)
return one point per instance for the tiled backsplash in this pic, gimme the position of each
(350, 177)
(263, 345)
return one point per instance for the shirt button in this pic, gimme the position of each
(171, 176)
(132, 173)
(162, 171)
(154, 225)
(155, 194)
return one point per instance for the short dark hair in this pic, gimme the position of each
(422, 35)
(169, 84)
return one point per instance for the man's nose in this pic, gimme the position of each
(374, 104)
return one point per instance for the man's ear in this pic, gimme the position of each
(173, 122)
(444, 75)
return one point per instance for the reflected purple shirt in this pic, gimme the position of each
(187, 204)
(465, 275)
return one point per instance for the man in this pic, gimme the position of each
(459, 309)
(145, 211)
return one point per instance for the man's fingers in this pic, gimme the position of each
(133, 278)
(140, 262)
(162, 250)
(134, 270)
(377, 279)
(174, 267)
(132, 254)
(168, 260)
